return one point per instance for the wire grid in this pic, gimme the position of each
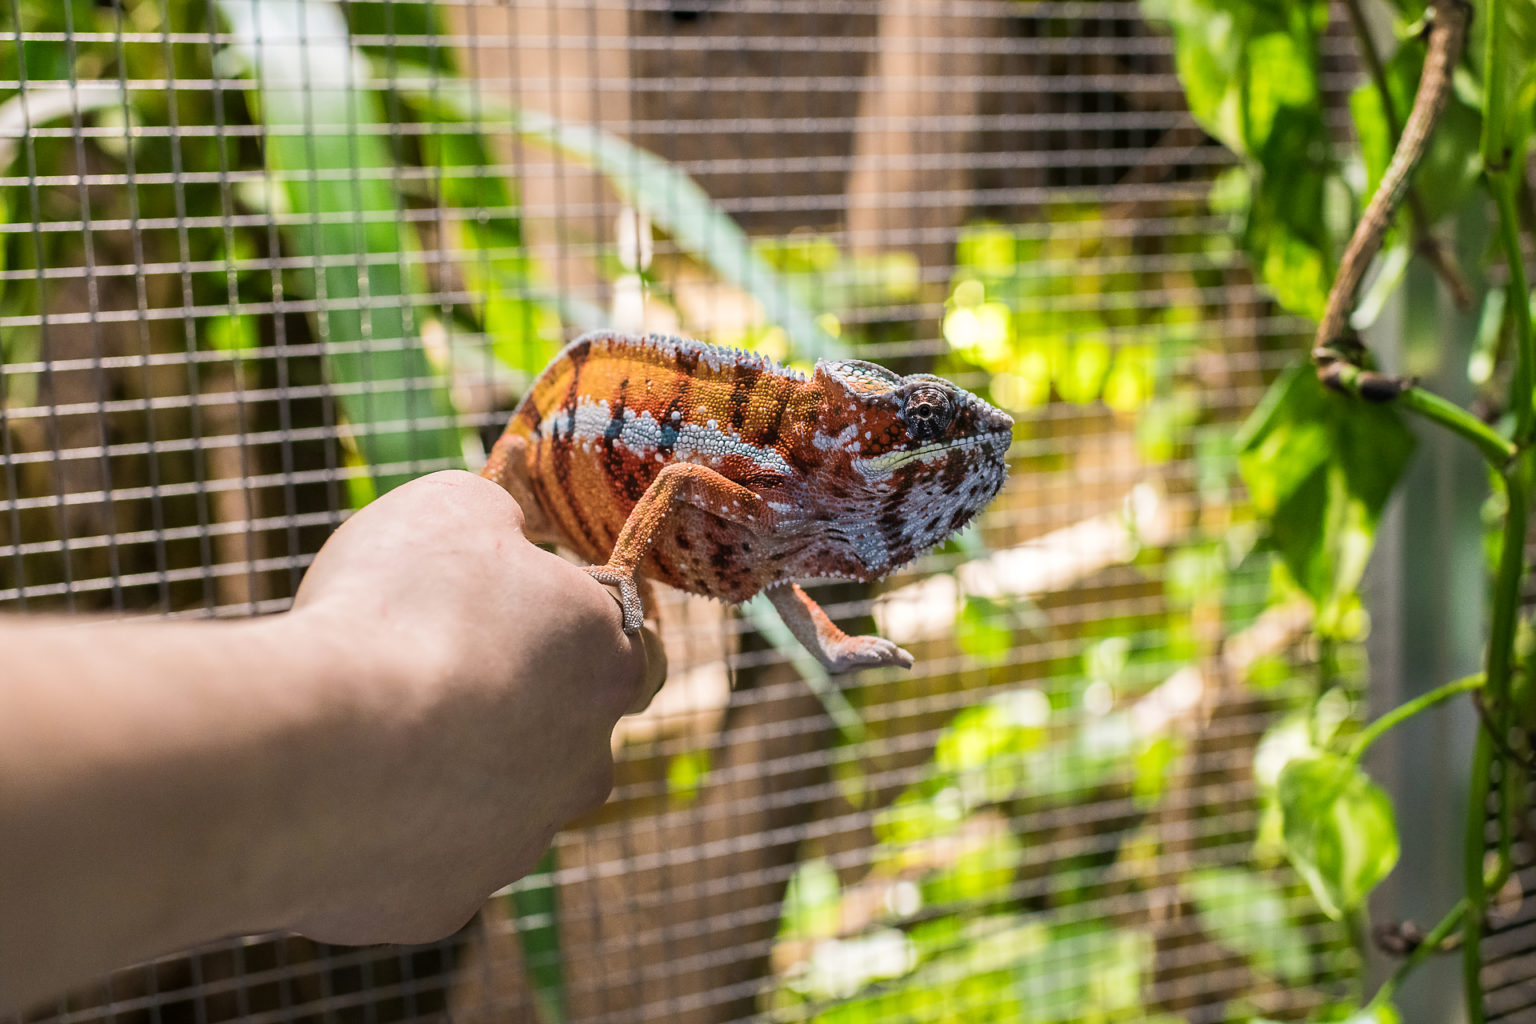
(265, 257)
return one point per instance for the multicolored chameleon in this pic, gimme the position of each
(722, 473)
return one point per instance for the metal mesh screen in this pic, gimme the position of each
(263, 258)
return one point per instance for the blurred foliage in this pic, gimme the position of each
(370, 193)
(1318, 466)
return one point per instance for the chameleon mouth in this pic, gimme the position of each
(997, 440)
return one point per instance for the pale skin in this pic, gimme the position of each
(365, 768)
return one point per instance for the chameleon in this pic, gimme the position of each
(720, 472)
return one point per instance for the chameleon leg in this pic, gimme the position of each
(680, 483)
(835, 649)
(508, 466)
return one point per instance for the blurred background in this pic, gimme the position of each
(262, 259)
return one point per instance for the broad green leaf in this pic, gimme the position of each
(1241, 62)
(536, 912)
(1319, 468)
(324, 148)
(1249, 914)
(1339, 830)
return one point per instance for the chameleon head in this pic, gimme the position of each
(923, 457)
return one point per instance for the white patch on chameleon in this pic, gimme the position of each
(867, 542)
(847, 440)
(882, 465)
(642, 434)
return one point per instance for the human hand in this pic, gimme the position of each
(490, 675)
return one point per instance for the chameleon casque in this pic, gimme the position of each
(721, 473)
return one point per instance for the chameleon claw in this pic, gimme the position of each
(629, 594)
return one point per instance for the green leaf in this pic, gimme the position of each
(536, 913)
(1339, 830)
(1319, 468)
(982, 873)
(1248, 914)
(982, 630)
(686, 774)
(812, 902)
(324, 148)
(1450, 167)
(1241, 63)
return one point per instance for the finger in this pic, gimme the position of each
(655, 669)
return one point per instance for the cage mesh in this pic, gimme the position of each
(264, 258)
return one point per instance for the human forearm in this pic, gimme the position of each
(159, 784)
(365, 768)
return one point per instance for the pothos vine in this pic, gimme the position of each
(1341, 361)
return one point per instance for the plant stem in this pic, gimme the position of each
(1503, 186)
(1472, 877)
(1454, 418)
(1492, 141)
(1500, 664)
(1440, 694)
(1426, 949)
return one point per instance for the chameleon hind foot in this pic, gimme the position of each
(629, 594)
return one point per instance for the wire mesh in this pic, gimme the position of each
(263, 258)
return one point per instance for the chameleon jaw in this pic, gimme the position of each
(880, 465)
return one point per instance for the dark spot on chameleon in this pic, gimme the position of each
(741, 391)
(958, 519)
(613, 429)
(580, 349)
(683, 543)
(634, 484)
(668, 439)
(746, 548)
(721, 559)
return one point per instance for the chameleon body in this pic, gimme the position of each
(722, 473)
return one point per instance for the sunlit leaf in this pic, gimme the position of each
(686, 773)
(1154, 768)
(1339, 829)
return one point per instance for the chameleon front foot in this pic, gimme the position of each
(862, 652)
(629, 594)
(835, 649)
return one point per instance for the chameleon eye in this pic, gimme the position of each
(927, 412)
